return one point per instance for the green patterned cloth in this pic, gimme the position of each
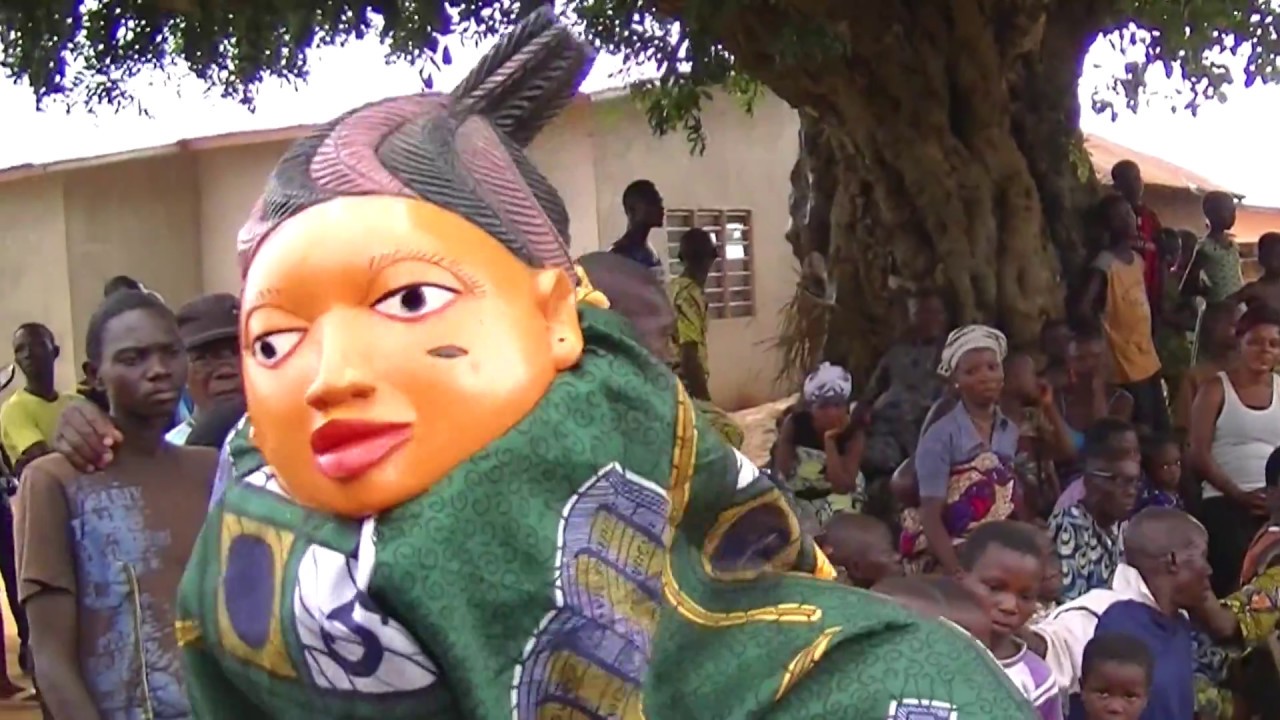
(609, 557)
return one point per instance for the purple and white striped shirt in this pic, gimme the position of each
(1034, 678)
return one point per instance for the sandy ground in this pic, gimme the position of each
(15, 710)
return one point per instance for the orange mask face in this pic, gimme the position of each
(388, 340)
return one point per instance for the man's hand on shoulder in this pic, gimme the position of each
(86, 437)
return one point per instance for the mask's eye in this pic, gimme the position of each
(272, 348)
(414, 301)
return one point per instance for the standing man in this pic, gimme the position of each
(30, 416)
(697, 255)
(100, 553)
(1127, 179)
(209, 327)
(642, 203)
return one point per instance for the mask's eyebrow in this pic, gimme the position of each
(264, 296)
(379, 261)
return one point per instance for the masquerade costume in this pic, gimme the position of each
(619, 561)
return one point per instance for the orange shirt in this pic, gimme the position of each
(1126, 319)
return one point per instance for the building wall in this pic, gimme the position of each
(138, 218)
(62, 235)
(1178, 209)
(33, 266)
(172, 220)
(747, 165)
(230, 179)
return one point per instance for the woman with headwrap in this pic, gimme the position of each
(819, 449)
(964, 461)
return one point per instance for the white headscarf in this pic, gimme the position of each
(970, 337)
(828, 382)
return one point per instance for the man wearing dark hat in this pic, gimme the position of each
(209, 328)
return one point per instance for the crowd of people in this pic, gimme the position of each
(1098, 517)
(1107, 501)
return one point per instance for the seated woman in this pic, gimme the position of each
(819, 449)
(964, 462)
(1235, 425)
(904, 385)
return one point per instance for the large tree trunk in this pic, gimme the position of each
(944, 153)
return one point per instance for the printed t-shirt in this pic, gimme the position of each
(27, 419)
(118, 541)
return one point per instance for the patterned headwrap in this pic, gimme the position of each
(970, 337)
(463, 151)
(829, 383)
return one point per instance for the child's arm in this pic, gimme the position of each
(47, 589)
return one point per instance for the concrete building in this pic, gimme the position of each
(169, 217)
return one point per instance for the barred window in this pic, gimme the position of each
(731, 284)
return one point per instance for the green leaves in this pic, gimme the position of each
(1196, 41)
(87, 52)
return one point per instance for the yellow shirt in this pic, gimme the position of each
(691, 320)
(26, 420)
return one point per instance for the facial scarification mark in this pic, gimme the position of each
(448, 352)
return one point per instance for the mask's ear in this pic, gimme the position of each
(57, 351)
(559, 306)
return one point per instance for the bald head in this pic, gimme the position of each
(1158, 532)
(635, 293)
(849, 529)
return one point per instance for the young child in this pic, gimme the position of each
(1161, 475)
(1115, 677)
(1265, 289)
(943, 597)
(1215, 271)
(1004, 560)
(1050, 577)
(861, 548)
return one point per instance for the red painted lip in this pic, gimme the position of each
(346, 448)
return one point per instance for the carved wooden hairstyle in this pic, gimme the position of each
(463, 151)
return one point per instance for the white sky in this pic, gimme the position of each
(1227, 143)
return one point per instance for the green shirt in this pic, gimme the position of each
(601, 560)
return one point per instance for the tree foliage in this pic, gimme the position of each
(88, 51)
